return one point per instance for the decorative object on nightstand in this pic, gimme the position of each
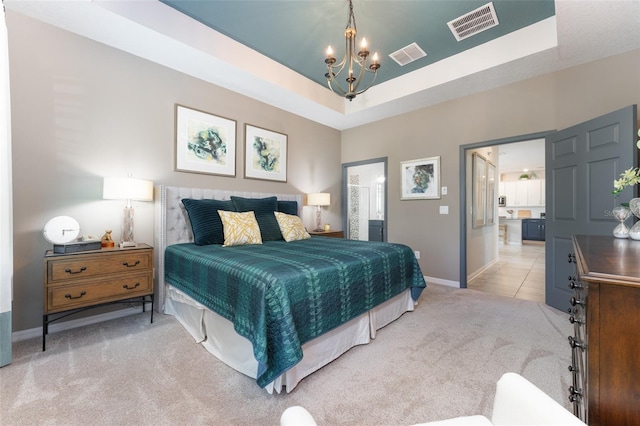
(319, 199)
(61, 229)
(127, 189)
(62, 232)
(106, 240)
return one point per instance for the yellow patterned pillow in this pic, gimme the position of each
(291, 227)
(239, 228)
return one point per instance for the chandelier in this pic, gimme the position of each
(350, 60)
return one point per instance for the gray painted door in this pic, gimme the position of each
(581, 164)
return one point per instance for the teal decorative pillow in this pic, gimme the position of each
(205, 220)
(288, 207)
(263, 209)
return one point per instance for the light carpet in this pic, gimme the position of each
(440, 361)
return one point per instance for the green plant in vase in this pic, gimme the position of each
(629, 177)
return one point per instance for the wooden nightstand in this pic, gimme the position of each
(74, 282)
(332, 234)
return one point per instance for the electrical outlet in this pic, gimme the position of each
(444, 190)
(444, 209)
(417, 253)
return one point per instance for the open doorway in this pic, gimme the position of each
(512, 266)
(519, 269)
(364, 200)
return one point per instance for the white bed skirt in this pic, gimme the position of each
(218, 336)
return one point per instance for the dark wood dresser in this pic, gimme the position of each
(606, 343)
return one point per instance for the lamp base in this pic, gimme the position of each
(125, 244)
(318, 230)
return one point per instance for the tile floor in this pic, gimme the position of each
(519, 273)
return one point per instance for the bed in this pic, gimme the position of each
(276, 311)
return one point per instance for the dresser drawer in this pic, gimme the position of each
(61, 298)
(81, 267)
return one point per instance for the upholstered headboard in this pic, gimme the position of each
(172, 224)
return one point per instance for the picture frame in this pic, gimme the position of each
(204, 143)
(420, 179)
(265, 153)
(492, 179)
(479, 191)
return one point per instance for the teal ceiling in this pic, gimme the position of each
(297, 33)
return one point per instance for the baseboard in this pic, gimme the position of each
(67, 325)
(448, 283)
(482, 270)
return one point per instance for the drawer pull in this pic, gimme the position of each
(573, 285)
(574, 320)
(574, 394)
(131, 266)
(575, 343)
(68, 296)
(572, 258)
(69, 271)
(126, 286)
(575, 301)
(573, 369)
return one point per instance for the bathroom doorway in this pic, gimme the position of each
(364, 200)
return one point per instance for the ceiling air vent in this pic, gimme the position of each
(408, 54)
(474, 22)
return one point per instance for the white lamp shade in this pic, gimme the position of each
(127, 189)
(319, 199)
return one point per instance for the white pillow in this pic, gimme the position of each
(291, 227)
(239, 228)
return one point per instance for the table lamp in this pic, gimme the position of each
(127, 189)
(319, 199)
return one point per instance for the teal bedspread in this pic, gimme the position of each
(280, 295)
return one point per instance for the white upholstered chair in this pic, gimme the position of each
(517, 402)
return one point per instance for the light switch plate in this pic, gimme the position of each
(444, 190)
(444, 209)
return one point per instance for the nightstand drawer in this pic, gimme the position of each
(81, 267)
(98, 291)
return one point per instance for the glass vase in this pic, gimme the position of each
(621, 213)
(634, 205)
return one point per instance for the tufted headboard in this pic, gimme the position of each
(172, 224)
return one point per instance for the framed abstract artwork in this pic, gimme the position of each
(479, 191)
(492, 180)
(205, 143)
(265, 153)
(420, 179)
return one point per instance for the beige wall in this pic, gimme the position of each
(82, 111)
(555, 101)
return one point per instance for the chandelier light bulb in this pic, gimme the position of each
(363, 43)
(329, 51)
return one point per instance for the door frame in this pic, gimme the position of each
(463, 188)
(345, 192)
